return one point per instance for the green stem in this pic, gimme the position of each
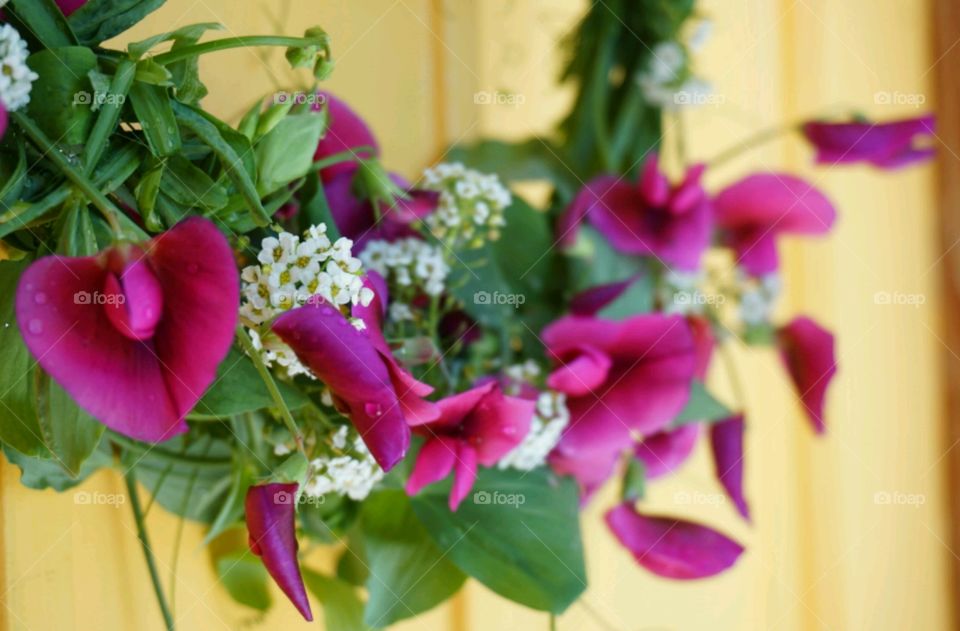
(199, 462)
(131, 480)
(247, 344)
(752, 142)
(624, 129)
(51, 151)
(553, 622)
(344, 156)
(227, 43)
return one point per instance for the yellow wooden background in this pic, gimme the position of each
(822, 553)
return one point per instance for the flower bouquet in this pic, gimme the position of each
(277, 337)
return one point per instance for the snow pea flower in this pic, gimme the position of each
(135, 333)
(476, 427)
(888, 145)
(271, 528)
(755, 211)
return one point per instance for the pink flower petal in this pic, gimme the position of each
(435, 461)
(346, 130)
(586, 371)
(673, 548)
(270, 510)
(496, 425)
(137, 304)
(464, 475)
(726, 439)
(665, 451)
(68, 7)
(807, 351)
(586, 200)
(654, 185)
(887, 145)
(348, 362)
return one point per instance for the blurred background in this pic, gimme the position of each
(851, 531)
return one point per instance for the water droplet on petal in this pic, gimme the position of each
(35, 326)
(373, 409)
(40, 298)
(509, 430)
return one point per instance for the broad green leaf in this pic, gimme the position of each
(409, 574)
(286, 153)
(525, 251)
(350, 566)
(239, 388)
(18, 413)
(636, 298)
(99, 20)
(232, 509)
(594, 262)
(476, 279)
(43, 20)
(43, 473)
(153, 109)
(702, 407)
(61, 99)
(69, 433)
(245, 579)
(518, 534)
(342, 607)
(314, 208)
(118, 90)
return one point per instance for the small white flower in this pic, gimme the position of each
(16, 78)
(352, 474)
(549, 421)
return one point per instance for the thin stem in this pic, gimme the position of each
(681, 138)
(51, 151)
(268, 381)
(200, 462)
(188, 52)
(752, 142)
(131, 480)
(553, 622)
(344, 156)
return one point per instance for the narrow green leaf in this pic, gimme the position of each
(702, 407)
(342, 607)
(286, 152)
(154, 111)
(44, 21)
(69, 433)
(634, 481)
(100, 20)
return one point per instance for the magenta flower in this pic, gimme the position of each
(670, 547)
(135, 333)
(357, 219)
(726, 440)
(345, 131)
(759, 208)
(367, 383)
(68, 7)
(665, 451)
(649, 218)
(807, 351)
(476, 427)
(621, 378)
(884, 145)
(271, 529)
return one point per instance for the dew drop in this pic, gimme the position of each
(373, 409)
(40, 298)
(509, 430)
(35, 326)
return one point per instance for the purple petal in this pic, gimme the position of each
(589, 301)
(348, 362)
(587, 199)
(807, 351)
(673, 548)
(583, 373)
(885, 145)
(654, 185)
(436, 459)
(726, 439)
(464, 474)
(496, 425)
(346, 130)
(141, 388)
(69, 6)
(665, 451)
(270, 510)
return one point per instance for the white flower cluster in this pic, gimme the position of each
(667, 83)
(16, 78)
(680, 293)
(408, 262)
(352, 472)
(293, 271)
(758, 296)
(520, 374)
(471, 204)
(549, 421)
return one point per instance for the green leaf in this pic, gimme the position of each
(350, 566)
(533, 159)
(342, 607)
(69, 433)
(61, 99)
(232, 509)
(594, 262)
(42, 473)
(118, 90)
(155, 113)
(18, 413)
(233, 150)
(634, 481)
(286, 153)
(239, 388)
(99, 20)
(409, 574)
(702, 407)
(44, 21)
(191, 186)
(476, 279)
(518, 534)
(147, 190)
(190, 32)
(636, 298)
(525, 262)
(314, 208)
(245, 579)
